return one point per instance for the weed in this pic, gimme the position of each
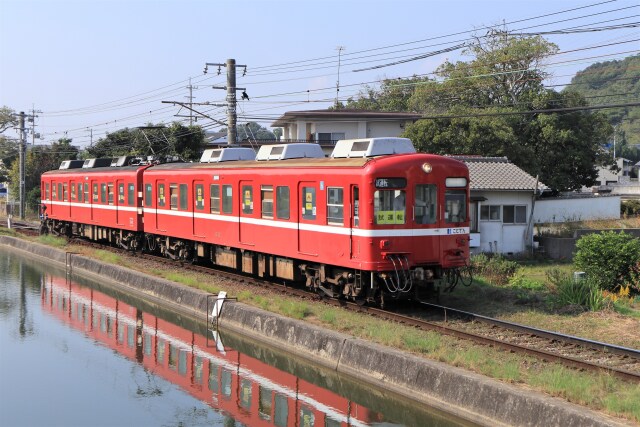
(428, 342)
(58, 242)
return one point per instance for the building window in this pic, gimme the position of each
(513, 214)
(335, 206)
(173, 197)
(309, 203)
(227, 199)
(184, 197)
(330, 136)
(282, 202)
(490, 213)
(247, 199)
(215, 198)
(266, 197)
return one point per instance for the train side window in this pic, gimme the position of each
(103, 193)
(247, 199)
(161, 196)
(110, 192)
(456, 206)
(148, 195)
(389, 206)
(60, 191)
(53, 191)
(131, 195)
(86, 192)
(335, 206)
(199, 201)
(73, 191)
(184, 197)
(309, 203)
(79, 192)
(227, 199)
(266, 197)
(95, 192)
(215, 198)
(425, 207)
(65, 189)
(121, 193)
(46, 191)
(282, 202)
(173, 196)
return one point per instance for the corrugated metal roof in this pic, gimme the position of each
(497, 173)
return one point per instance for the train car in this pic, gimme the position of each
(101, 203)
(374, 221)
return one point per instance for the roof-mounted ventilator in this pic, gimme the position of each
(371, 147)
(97, 163)
(71, 164)
(215, 155)
(299, 150)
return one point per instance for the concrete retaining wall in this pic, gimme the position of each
(564, 247)
(469, 395)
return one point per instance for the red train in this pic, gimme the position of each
(242, 387)
(372, 222)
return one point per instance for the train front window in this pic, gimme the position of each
(455, 206)
(389, 206)
(425, 204)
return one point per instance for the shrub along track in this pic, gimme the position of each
(568, 350)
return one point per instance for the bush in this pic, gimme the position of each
(497, 269)
(585, 293)
(608, 258)
(630, 208)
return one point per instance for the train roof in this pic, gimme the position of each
(90, 171)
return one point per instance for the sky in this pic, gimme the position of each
(90, 67)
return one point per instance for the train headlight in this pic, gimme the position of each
(427, 168)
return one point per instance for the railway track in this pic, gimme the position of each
(568, 350)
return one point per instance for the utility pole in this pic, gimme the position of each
(340, 49)
(23, 144)
(190, 87)
(232, 132)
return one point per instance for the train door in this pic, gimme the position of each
(54, 197)
(354, 221)
(161, 205)
(246, 212)
(94, 199)
(199, 221)
(120, 214)
(70, 197)
(307, 237)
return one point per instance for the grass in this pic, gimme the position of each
(596, 391)
(49, 240)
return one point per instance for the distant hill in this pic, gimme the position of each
(614, 82)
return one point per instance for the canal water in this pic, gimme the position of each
(78, 353)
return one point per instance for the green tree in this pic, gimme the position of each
(253, 131)
(38, 160)
(393, 95)
(486, 106)
(609, 258)
(159, 140)
(613, 82)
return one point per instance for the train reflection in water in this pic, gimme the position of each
(243, 388)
